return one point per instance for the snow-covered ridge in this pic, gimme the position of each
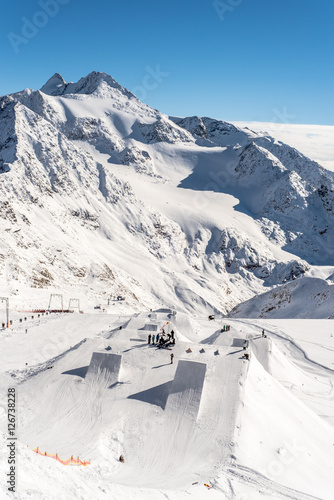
(303, 298)
(96, 83)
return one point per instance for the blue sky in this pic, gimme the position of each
(263, 60)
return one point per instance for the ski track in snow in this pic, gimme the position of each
(264, 485)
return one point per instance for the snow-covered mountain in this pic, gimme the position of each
(102, 195)
(304, 298)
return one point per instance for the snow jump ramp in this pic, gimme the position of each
(239, 342)
(149, 328)
(186, 389)
(103, 369)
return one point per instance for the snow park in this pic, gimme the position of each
(166, 250)
(171, 337)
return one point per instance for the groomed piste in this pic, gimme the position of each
(257, 428)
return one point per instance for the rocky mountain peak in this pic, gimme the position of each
(96, 83)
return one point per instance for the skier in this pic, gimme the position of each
(172, 334)
(153, 339)
(158, 337)
(262, 333)
(171, 358)
(245, 344)
(149, 338)
(121, 459)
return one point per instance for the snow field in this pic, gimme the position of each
(252, 429)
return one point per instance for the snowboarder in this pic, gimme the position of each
(121, 459)
(153, 339)
(149, 339)
(246, 355)
(171, 358)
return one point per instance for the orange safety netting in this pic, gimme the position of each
(69, 461)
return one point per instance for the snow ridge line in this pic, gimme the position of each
(235, 417)
(41, 367)
(250, 476)
(240, 405)
(295, 345)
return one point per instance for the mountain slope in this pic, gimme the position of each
(100, 193)
(303, 298)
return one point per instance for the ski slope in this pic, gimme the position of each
(251, 429)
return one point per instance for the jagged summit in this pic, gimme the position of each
(96, 83)
(55, 85)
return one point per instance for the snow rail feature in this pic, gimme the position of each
(70, 461)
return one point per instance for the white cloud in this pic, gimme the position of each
(315, 141)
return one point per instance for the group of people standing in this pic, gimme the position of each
(162, 339)
(226, 328)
